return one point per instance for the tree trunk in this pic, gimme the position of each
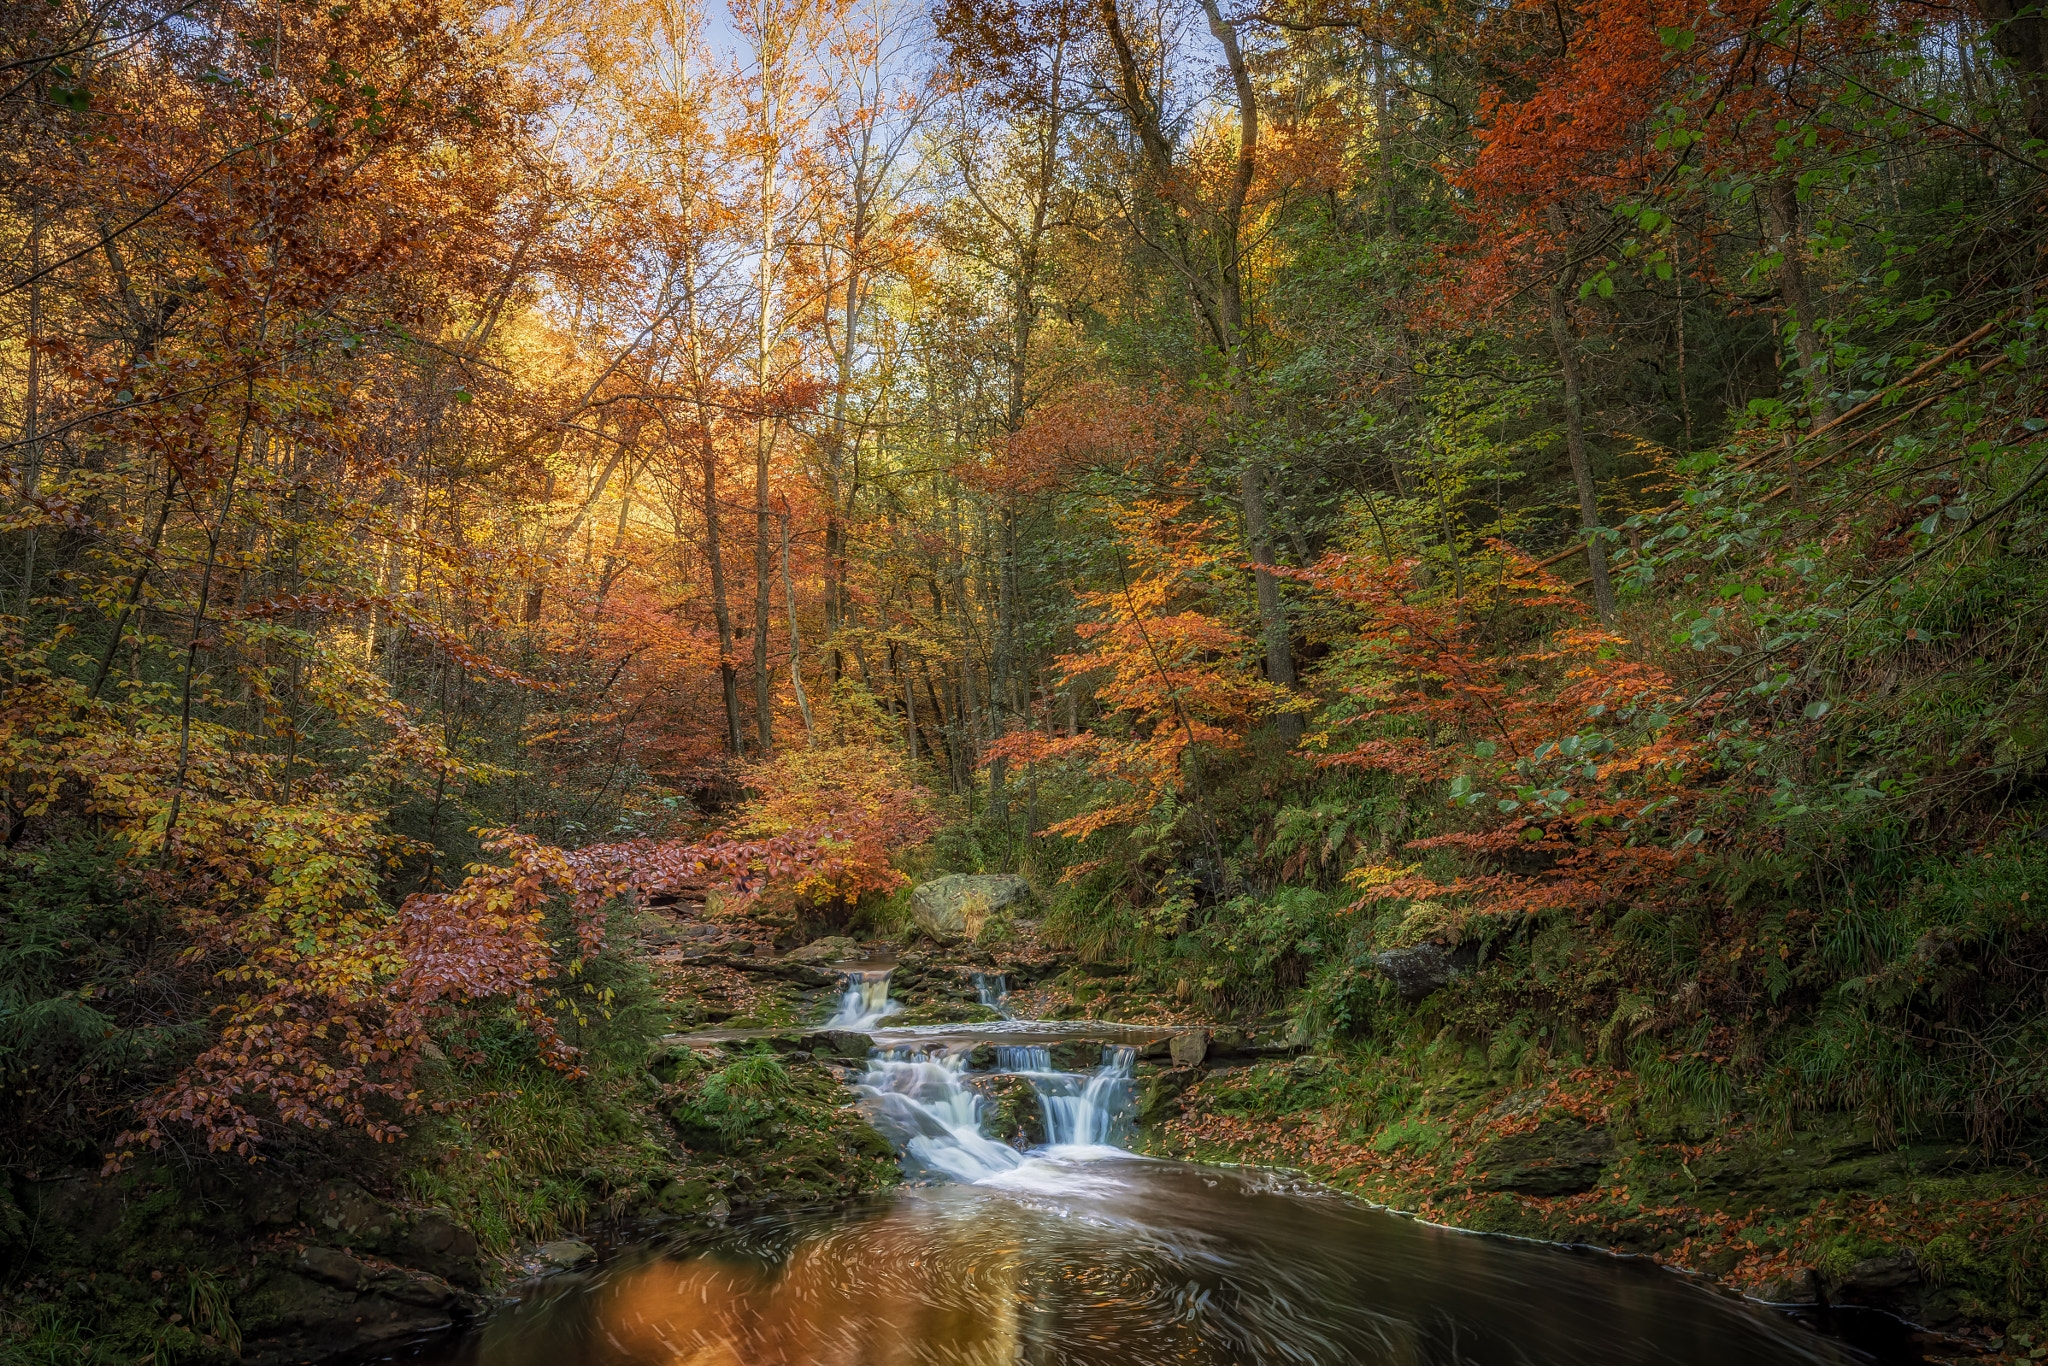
(1575, 447)
(1784, 215)
(764, 430)
(796, 664)
(764, 716)
(1251, 483)
(721, 609)
(2018, 30)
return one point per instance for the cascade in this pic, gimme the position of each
(921, 1102)
(990, 989)
(866, 1000)
(1090, 1113)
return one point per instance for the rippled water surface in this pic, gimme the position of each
(1095, 1256)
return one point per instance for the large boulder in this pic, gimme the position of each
(962, 905)
(1419, 971)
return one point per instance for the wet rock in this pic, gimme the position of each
(565, 1253)
(962, 905)
(828, 950)
(406, 1286)
(1801, 1287)
(331, 1266)
(1011, 1110)
(1551, 1160)
(1417, 972)
(840, 1043)
(1076, 1055)
(802, 974)
(1891, 1283)
(1189, 1048)
(443, 1246)
(948, 1012)
(683, 1199)
(343, 1213)
(302, 1312)
(1161, 1097)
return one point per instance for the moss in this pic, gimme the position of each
(947, 1012)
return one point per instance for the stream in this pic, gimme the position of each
(1078, 1251)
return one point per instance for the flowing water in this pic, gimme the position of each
(1079, 1253)
(866, 1002)
(991, 989)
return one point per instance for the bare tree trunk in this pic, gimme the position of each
(764, 430)
(764, 716)
(721, 609)
(796, 665)
(1575, 446)
(1784, 214)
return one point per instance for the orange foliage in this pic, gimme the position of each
(1579, 772)
(862, 804)
(1093, 426)
(1617, 101)
(334, 1003)
(1171, 675)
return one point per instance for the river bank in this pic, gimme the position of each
(716, 1093)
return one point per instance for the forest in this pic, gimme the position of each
(1497, 543)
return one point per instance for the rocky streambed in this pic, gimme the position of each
(752, 1104)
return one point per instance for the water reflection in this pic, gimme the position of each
(1110, 1259)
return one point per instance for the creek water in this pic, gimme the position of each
(1079, 1253)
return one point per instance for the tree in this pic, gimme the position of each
(1213, 272)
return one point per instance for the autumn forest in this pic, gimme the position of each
(1500, 542)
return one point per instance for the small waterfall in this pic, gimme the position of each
(921, 1104)
(990, 988)
(866, 1002)
(1030, 1059)
(1091, 1113)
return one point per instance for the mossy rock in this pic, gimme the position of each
(1011, 1110)
(1552, 1159)
(947, 1012)
(968, 905)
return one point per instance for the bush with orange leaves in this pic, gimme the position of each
(1169, 675)
(327, 1007)
(1578, 777)
(861, 804)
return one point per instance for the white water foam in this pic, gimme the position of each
(921, 1102)
(1094, 1112)
(922, 1105)
(866, 1002)
(991, 989)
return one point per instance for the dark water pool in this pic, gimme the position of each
(1097, 1258)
